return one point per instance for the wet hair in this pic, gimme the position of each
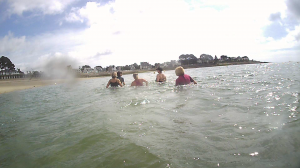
(159, 69)
(179, 71)
(114, 75)
(119, 73)
(135, 75)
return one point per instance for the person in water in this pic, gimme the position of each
(183, 79)
(160, 76)
(114, 82)
(138, 81)
(119, 73)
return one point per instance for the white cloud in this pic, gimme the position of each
(122, 33)
(26, 52)
(157, 32)
(9, 43)
(44, 6)
(74, 16)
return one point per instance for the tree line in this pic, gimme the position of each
(7, 65)
(186, 59)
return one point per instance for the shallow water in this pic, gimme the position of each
(237, 116)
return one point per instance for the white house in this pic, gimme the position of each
(165, 64)
(119, 68)
(132, 67)
(88, 70)
(239, 58)
(199, 61)
(145, 65)
(98, 69)
(245, 58)
(174, 63)
(112, 68)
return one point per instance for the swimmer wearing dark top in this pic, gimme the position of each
(114, 82)
(137, 81)
(119, 73)
(160, 76)
(183, 79)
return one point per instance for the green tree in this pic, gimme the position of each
(136, 66)
(5, 63)
(216, 60)
(205, 58)
(19, 70)
(187, 59)
(127, 67)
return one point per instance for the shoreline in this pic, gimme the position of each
(221, 64)
(125, 72)
(11, 85)
(104, 74)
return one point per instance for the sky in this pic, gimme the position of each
(39, 33)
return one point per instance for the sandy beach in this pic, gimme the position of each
(11, 85)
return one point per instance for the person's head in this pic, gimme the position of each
(114, 75)
(159, 70)
(179, 71)
(135, 76)
(119, 73)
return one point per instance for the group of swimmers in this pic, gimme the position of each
(118, 80)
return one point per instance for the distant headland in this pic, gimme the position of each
(185, 60)
(8, 70)
(12, 79)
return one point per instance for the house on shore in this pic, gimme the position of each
(11, 74)
(245, 58)
(112, 68)
(174, 63)
(132, 67)
(145, 65)
(86, 69)
(98, 69)
(119, 68)
(223, 58)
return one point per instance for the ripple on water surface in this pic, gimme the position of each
(237, 116)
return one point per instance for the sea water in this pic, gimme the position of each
(237, 116)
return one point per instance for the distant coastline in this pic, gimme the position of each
(108, 73)
(8, 70)
(10, 85)
(221, 64)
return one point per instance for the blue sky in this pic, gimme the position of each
(77, 32)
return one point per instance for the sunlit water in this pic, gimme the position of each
(237, 116)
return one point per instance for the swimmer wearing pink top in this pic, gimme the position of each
(183, 79)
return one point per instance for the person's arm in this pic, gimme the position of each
(133, 84)
(192, 80)
(176, 83)
(145, 82)
(165, 78)
(120, 83)
(157, 79)
(108, 84)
